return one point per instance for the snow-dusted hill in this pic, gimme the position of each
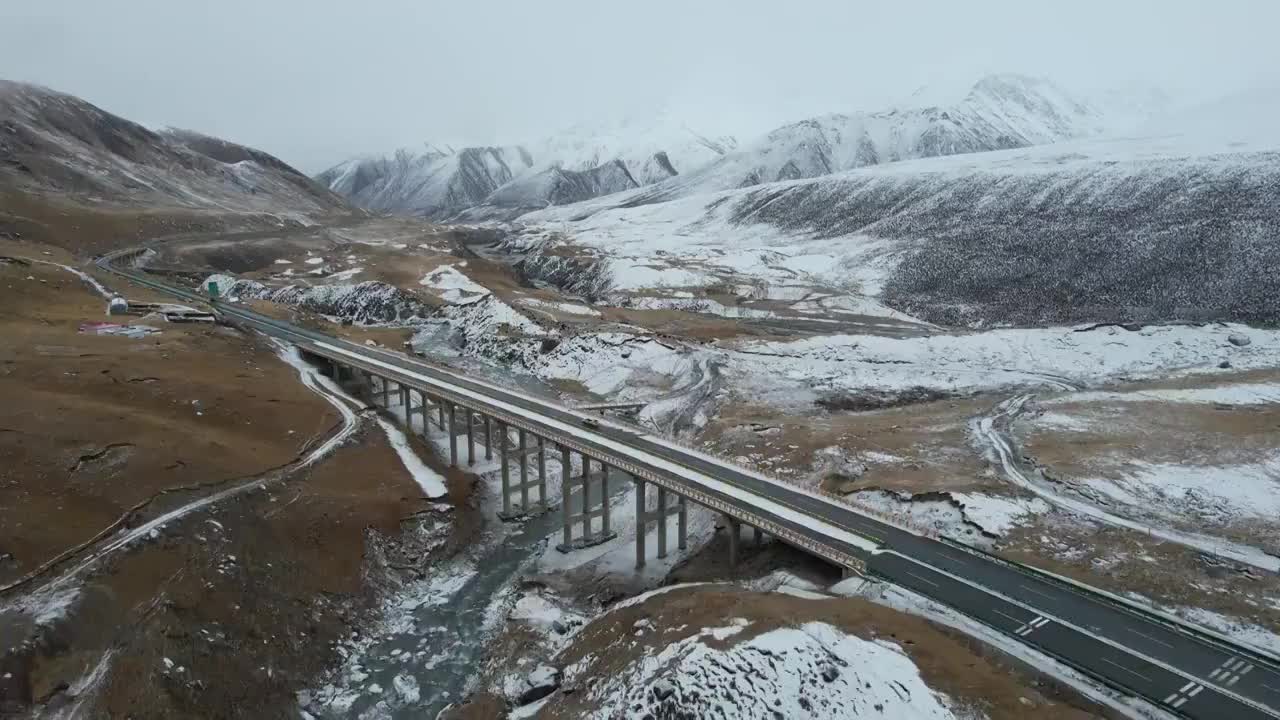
(1141, 229)
(1000, 112)
(53, 142)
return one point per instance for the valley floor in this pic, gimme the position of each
(195, 493)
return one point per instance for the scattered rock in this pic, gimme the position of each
(1224, 365)
(406, 686)
(1239, 339)
(830, 673)
(663, 689)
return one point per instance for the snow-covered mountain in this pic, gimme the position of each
(667, 159)
(1105, 230)
(553, 186)
(434, 183)
(580, 163)
(1000, 112)
(652, 150)
(51, 142)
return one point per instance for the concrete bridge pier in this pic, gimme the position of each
(524, 469)
(734, 528)
(525, 484)
(410, 410)
(488, 438)
(666, 508)
(505, 461)
(453, 433)
(542, 470)
(471, 437)
(587, 510)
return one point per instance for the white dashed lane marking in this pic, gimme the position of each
(1156, 640)
(1135, 673)
(1184, 693)
(921, 579)
(1230, 671)
(1041, 593)
(1039, 622)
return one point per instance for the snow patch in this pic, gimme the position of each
(1217, 494)
(814, 671)
(453, 286)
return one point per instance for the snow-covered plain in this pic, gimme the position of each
(1235, 395)
(1214, 494)
(956, 514)
(1059, 358)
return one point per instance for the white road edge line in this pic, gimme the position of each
(1104, 640)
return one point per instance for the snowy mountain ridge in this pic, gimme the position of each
(662, 158)
(431, 182)
(1000, 112)
(652, 151)
(579, 164)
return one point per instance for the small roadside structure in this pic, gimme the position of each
(117, 306)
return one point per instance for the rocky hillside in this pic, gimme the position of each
(1000, 112)
(53, 143)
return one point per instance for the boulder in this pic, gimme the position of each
(541, 682)
(1239, 339)
(663, 689)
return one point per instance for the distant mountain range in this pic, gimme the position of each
(664, 159)
(484, 182)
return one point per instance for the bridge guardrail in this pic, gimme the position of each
(1199, 632)
(890, 519)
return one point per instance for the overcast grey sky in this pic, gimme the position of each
(315, 81)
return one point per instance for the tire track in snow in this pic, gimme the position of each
(88, 279)
(992, 431)
(82, 691)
